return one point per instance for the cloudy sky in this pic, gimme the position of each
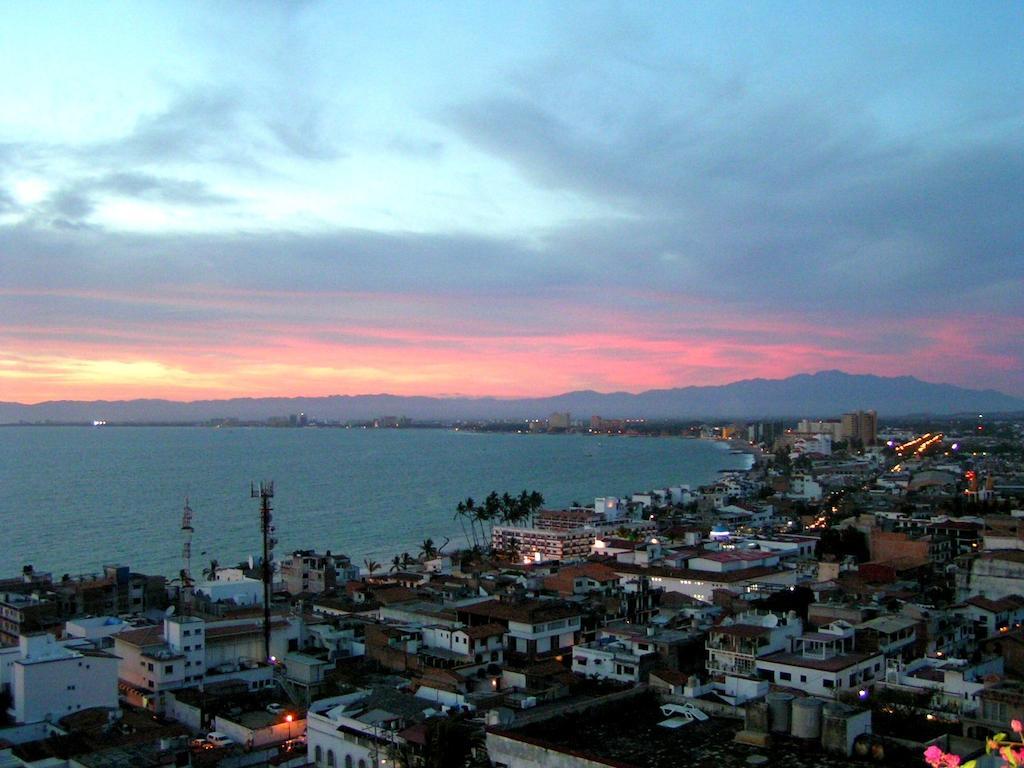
(218, 199)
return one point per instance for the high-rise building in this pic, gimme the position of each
(859, 427)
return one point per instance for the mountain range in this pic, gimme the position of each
(822, 394)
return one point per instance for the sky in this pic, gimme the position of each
(207, 200)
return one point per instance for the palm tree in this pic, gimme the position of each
(488, 513)
(428, 550)
(407, 559)
(396, 563)
(467, 510)
(211, 572)
(371, 566)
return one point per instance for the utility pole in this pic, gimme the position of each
(265, 493)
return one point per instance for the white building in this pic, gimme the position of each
(157, 659)
(824, 663)
(361, 729)
(231, 586)
(701, 584)
(735, 645)
(543, 544)
(993, 617)
(612, 658)
(804, 487)
(806, 444)
(610, 508)
(954, 684)
(467, 648)
(49, 679)
(99, 630)
(188, 652)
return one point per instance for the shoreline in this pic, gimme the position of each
(365, 496)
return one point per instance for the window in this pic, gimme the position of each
(785, 676)
(318, 755)
(348, 761)
(803, 678)
(362, 763)
(168, 669)
(330, 758)
(828, 684)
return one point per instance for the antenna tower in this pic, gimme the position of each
(185, 595)
(265, 492)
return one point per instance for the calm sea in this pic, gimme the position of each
(75, 498)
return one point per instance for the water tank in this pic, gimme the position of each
(806, 719)
(779, 705)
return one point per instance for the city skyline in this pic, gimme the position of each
(308, 199)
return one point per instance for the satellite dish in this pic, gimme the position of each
(771, 620)
(169, 611)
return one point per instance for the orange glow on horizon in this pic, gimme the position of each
(404, 362)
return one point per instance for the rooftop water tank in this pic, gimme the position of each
(806, 718)
(779, 706)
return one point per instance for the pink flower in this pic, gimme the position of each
(934, 756)
(1017, 726)
(951, 761)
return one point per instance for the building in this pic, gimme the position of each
(540, 544)
(157, 659)
(231, 586)
(825, 662)
(992, 574)
(893, 636)
(991, 618)
(466, 649)
(534, 629)
(735, 645)
(559, 421)
(859, 428)
(701, 584)
(116, 592)
(613, 658)
(584, 579)
(23, 614)
(364, 729)
(832, 428)
(50, 680)
(307, 572)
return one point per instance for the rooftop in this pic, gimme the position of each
(834, 664)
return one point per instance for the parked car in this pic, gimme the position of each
(218, 739)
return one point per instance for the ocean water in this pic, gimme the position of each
(75, 498)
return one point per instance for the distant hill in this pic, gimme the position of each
(827, 393)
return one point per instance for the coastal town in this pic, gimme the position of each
(855, 597)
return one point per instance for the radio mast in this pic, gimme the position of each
(265, 493)
(185, 595)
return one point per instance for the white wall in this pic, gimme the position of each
(55, 688)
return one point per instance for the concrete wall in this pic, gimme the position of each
(183, 713)
(515, 752)
(258, 737)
